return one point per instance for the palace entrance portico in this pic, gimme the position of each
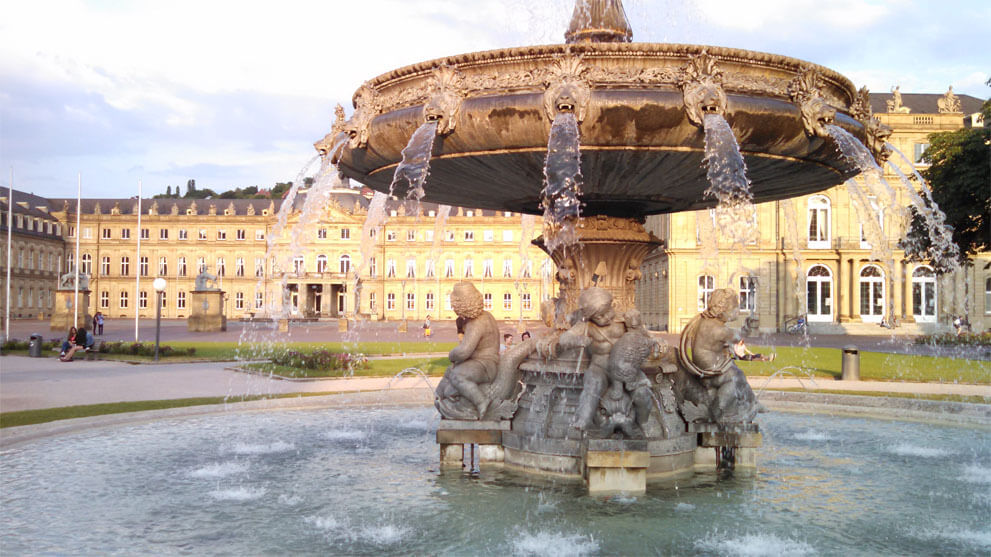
(318, 295)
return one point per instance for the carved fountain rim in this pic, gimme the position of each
(673, 51)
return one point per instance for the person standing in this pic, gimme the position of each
(98, 319)
(426, 327)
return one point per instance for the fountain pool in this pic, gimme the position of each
(365, 481)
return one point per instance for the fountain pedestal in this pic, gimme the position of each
(608, 254)
(207, 312)
(722, 446)
(616, 466)
(454, 435)
(64, 314)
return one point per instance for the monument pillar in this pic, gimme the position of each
(207, 311)
(64, 314)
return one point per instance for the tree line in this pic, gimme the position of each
(250, 192)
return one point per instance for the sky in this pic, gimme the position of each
(233, 94)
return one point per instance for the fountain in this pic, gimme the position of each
(596, 134)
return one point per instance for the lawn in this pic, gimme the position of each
(376, 368)
(877, 366)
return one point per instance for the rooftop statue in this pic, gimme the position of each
(895, 102)
(949, 103)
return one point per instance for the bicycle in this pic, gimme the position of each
(797, 325)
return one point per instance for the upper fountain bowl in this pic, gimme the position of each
(640, 108)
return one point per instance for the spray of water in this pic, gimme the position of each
(562, 183)
(735, 214)
(415, 165)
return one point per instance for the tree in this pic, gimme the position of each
(959, 174)
(190, 187)
(168, 191)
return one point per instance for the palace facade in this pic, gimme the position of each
(810, 257)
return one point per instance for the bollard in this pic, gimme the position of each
(34, 346)
(850, 370)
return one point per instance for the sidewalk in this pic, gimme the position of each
(34, 383)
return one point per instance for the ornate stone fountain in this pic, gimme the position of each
(596, 396)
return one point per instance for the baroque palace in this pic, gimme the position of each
(810, 258)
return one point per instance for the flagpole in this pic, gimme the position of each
(137, 275)
(10, 235)
(75, 270)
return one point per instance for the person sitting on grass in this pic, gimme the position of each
(69, 342)
(741, 352)
(84, 340)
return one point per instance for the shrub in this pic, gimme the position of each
(952, 339)
(142, 349)
(322, 360)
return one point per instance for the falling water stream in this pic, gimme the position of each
(735, 214)
(416, 161)
(562, 183)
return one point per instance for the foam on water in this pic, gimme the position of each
(906, 449)
(219, 470)
(976, 474)
(261, 448)
(812, 435)
(554, 544)
(969, 539)
(343, 530)
(238, 494)
(684, 507)
(754, 545)
(345, 435)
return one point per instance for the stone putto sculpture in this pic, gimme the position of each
(714, 389)
(461, 394)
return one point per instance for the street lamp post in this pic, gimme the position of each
(159, 285)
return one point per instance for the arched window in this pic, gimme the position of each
(321, 263)
(819, 222)
(706, 285)
(344, 263)
(819, 293)
(924, 294)
(871, 294)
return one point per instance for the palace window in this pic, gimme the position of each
(488, 235)
(163, 266)
(125, 266)
(411, 268)
(410, 301)
(180, 300)
(706, 284)
(321, 234)
(819, 297)
(221, 267)
(221, 234)
(240, 234)
(321, 263)
(372, 267)
(879, 214)
(239, 267)
(259, 267)
(200, 264)
(183, 234)
(507, 268)
(123, 299)
(390, 268)
(487, 268)
(448, 268)
(428, 235)
(527, 268)
(429, 272)
(143, 299)
(345, 233)
(487, 301)
(450, 235)
(143, 266)
(527, 304)
(819, 220)
(239, 300)
(469, 235)
(105, 234)
(507, 301)
(924, 294)
(181, 267)
(344, 263)
(163, 233)
(411, 235)
(259, 300)
(428, 303)
(390, 301)
(201, 234)
(469, 268)
(390, 236)
(87, 266)
(871, 293)
(125, 233)
(162, 297)
(298, 265)
(259, 235)
(987, 295)
(748, 294)
(145, 234)
(105, 300)
(371, 301)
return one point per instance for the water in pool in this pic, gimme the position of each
(366, 481)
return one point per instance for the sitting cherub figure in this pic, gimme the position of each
(626, 361)
(594, 335)
(461, 393)
(709, 339)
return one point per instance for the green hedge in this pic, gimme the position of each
(952, 339)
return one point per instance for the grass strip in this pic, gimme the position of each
(45, 415)
(972, 399)
(376, 368)
(876, 366)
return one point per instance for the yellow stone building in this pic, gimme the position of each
(811, 256)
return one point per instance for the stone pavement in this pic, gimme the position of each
(32, 383)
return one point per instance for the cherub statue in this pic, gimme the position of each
(461, 394)
(625, 369)
(728, 396)
(594, 335)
